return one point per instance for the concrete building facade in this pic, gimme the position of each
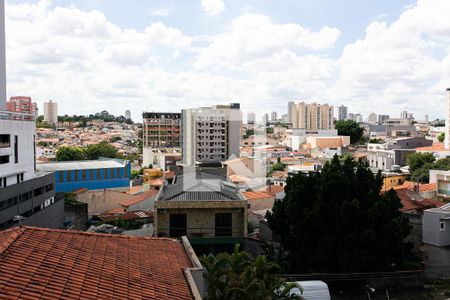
(22, 104)
(251, 118)
(210, 134)
(342, 112)
(313, 116)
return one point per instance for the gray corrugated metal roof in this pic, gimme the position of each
(80, 165)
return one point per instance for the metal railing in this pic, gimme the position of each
(9, 115)
(201, 232)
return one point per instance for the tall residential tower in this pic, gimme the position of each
(313, 116)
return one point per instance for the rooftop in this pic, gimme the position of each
(38, 263)
(81, 165)
(436, 147)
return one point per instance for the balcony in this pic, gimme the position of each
(201, 233)
(15, 116)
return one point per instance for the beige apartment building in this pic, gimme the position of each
(312, 116)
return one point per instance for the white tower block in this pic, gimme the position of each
(447, 122)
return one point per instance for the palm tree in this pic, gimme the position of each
(239, 276)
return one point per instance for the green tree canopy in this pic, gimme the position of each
(338, 221)
(350, 128)
(102, 149)
(441, 137)
(66, 153)
(417, 160)
(240, 276)
(420, 165)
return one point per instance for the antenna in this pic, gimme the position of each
(19, 218)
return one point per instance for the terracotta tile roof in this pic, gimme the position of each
(436, 147)
(38, 263)
(423, 187)
(415, 205)
(135, 189)
(251, 195)
(156, 182)
(138, 198)
(236, 178)
(169, 174)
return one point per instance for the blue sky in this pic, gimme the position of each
(373, 56)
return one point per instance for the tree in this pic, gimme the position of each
(102, 149)
(239, 276)
(66, 153)
(350, 128)
(441, 137)
(248, 133)
(278, 166)
(115, 139)
(338, 221)
(418, 159)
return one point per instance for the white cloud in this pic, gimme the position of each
(161, 12)
(88, 64)
(213, 7)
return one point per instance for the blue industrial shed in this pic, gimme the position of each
(89, 174)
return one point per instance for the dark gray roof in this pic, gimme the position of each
(211, 189)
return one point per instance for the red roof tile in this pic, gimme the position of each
(38, 263)
(138, 198)
(256, 195)
(415, 205)
(130, 215)
(423, 187)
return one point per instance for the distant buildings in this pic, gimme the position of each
(265, 119)
(210, 134)
(313, 116)
(382, 118)
(342, 112)
(89, 174)
(447, 123)
(161, 139)
(284, 118)
(251, 118)
(22, 104)
(372, 119)
(128, 114)
(291, 108)
(51, 112)
(273, 116)
(404, 114)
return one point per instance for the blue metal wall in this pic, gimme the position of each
(94, 183)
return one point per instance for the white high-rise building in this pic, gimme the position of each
(404, 115)
(284, 118)
(342, 112)
(291, 108)
(265, 119)
(382, 118)
(128, 114)
(447, 123)
(51, 112)
(210, 134)
(372, 119)
(251, 118)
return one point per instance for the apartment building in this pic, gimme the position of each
(161, 138)
(313, 116)
(251, 118)
(210, 134)
(51, 112)
(22, 104)
(23, 191)
(291, 108)
(342, 112)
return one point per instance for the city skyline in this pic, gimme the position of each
(160, 62)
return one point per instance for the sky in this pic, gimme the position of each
(382, 56)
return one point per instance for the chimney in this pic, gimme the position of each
(447, 123)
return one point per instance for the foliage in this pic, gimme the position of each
(420, 165)
(136, 173)
(125, 224)
(102, 149)
(278, 166)
(42, 144)
(43, 124)
(441, 137)
(376, 141)
(115, 139)
(239, 276)
(350, 128)
(69, 198)
(248, 133)
(66, 153)
(338, 221)
(269, 130)
(103, 115)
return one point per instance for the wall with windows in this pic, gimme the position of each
(29, 198)
(17, 151)
(92, 179)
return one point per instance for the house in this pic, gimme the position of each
(436, 226)
(442, 181)
(205, 208)
(40, 263)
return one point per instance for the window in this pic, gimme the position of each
(442, 226)
(5, 141)
(223, 224)
(4, 159)
(178, 225)
(16, 149)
